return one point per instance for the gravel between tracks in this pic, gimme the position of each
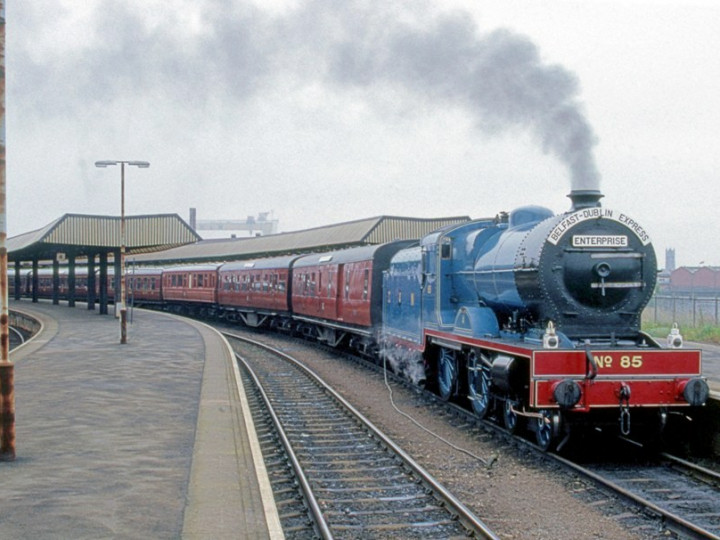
(519, 497)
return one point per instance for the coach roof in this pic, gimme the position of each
(259, 264)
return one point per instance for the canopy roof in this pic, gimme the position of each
(85, 234)
(376, 230)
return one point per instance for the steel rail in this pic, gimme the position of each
(18, 333)
(318, 518)
(701, 473)
(673, 521)
(463, 513)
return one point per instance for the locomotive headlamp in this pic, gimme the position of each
(674, 338)
(550, 338)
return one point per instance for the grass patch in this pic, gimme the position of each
(706, 334)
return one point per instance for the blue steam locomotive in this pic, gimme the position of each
(537, 316)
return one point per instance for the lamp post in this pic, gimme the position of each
(122, 303)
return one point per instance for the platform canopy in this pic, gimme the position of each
(375, 230)
(82, 235)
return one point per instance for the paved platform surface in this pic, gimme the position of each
(143, 440)
(711, 363)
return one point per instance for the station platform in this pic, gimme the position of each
(150, 439)
(711, 364)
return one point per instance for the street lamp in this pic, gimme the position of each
(122, 304)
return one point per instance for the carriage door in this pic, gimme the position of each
(430, 283)
(342, 293)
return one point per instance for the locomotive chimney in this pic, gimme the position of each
(584, 198)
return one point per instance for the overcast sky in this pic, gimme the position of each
(326, 111)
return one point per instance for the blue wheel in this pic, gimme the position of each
(510, 417)
(546, 429)
(447, 373)
(478, 377)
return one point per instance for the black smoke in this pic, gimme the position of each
(240, 51)
(497, 76)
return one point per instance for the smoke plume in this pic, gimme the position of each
(498, 77)
(235, 51)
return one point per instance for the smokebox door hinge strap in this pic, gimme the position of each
(591, 369)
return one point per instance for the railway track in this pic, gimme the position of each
(354, 481)
(17, 337)
(684, 495)
(676, 499)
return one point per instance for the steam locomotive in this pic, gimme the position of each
(531, 317)
(537, 316)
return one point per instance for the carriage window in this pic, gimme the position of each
(347, 284)
(366, 280)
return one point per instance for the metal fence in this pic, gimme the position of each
(688, 311)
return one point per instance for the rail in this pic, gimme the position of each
(323, 401)
(687, 504)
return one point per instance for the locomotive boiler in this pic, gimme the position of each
(591, 271)
(536, 317)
